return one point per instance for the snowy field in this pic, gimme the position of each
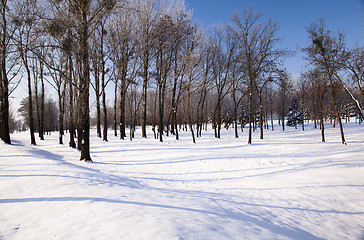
(288, 186)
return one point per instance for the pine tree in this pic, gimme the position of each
(294, 115)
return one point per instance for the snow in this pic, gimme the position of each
(287, 186)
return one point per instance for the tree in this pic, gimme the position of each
(294, 115)
(257, 39)
(205, 83)
(85, 15)
(162, 35)
(284, 91)
(59, 84)
(4, 81)
(145, 20)
(192, 58)
(26, 17)
(223, 46)
(123, 45)
(259, 86)
(324, 52)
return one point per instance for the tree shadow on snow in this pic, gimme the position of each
(288, 231)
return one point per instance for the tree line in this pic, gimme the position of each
(165, 71)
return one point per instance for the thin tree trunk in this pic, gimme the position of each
(98, 108)
(115, 102)
(60, 117)
(122, 105)
(322, 128)
(250, 110)
(41, 126)
(144, 93)
(30, 102)
(190, 113)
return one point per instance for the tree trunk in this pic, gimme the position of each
(322, 128)
(122, 105)
(41, 126)
(190, 113)
(4, 83)
(144, 93)
(60, 117)
(35, 79)
(261, 117)
(103, 86)
(250, 110)
(160, 105)
(72, 143)
(84, 88)
(98, 108)
(115, 101)
(30, 102)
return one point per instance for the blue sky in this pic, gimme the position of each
(293, 16)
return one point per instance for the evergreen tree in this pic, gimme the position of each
(294, 114)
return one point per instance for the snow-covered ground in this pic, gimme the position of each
(287, 186)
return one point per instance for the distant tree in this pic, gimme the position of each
(51, 118)
(259, 86)
(294, 115)
(56, 65)
(284, 92)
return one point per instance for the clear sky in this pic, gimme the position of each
(293, 16)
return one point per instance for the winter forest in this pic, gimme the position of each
(166, 72)
(119, 69)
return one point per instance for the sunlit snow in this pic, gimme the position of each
(287, 186)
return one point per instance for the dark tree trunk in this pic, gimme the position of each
(4, 88)
(60, 116)
(261, 118)
(41, 125)
(122, 105)
(144, 93)
(161, 110)
(98, 108)
(84, 123)
(103, 86)
(72, 143)
(250, 110)
(190, 113)
(30, 102)
(115, 102)
(322, 128)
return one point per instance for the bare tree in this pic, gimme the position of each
(4, 80)
(223, 46)
(284, 91)
(26, 17)
(325, 51)
(257, 39)
(163, 33)
(123, 48)
(145, 20)
(84, 17)
(206, 81)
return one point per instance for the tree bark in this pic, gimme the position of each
(84, 124)
(4, 88)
